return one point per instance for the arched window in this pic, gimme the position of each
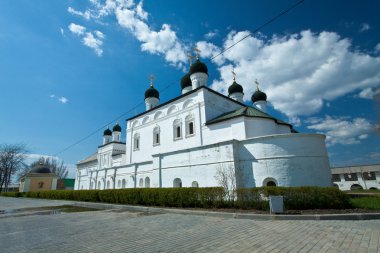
(147, 182)
(177, 183)
(136, 141)
(119, 183)
(188, 103)
(108, 184)
(156, 136)
(141, 183)
(195, 184)
(158, 115)
(172, 109)
(177, 129)
(145, 120)
(190, 130)
(134, 123)
(123, 183)
(269, 181)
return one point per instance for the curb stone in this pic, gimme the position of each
(350, 216)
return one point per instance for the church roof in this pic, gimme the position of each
(40, 168)
(184, 95)
(93, 157)
(198, 67)
(246, 111)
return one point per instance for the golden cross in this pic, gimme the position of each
(190, 57)
(151, 78)
(197, 51)
(233, 73)
(257, 84)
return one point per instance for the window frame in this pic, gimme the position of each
(136, 142)
(177, 124)
(156, 136)
(188, 121)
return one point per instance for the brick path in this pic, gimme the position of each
(110, 231)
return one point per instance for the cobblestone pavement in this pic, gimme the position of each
(111, 231)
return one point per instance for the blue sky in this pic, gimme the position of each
(68, 68)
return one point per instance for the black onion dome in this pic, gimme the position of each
(197, 67)
(235, 87)
(259, 96)
(107, 132)
(186, 81)
(40, 168)
(152, 92)
(116, 128)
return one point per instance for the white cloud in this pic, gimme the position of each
(211, 34)
(140, 11)
(77, 29)
(364, 27)
(133, 18)
(85, 15)
(369, 93)
(209, 50)
(63, 100)
(93, 40)
(299, 72)
(62, 31)
(37, 156)
(341, 130)
(164, 41)
(377, 48)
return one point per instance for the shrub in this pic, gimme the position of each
(300, 198)
(212, 197)
(12, 194)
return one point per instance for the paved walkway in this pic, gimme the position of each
(115, 231)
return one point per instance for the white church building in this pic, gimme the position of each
(189, 140)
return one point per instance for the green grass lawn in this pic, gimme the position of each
(371, 203)
(363, 191)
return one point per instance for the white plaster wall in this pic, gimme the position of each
(216, 105)
(256, 127)
(224, 131)
(165, 123)
(291, 159)
(197, 164)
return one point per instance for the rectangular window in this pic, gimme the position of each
(136, 144)
(178, 132)
(335, 177)
(156, 138)
(369, 175)
(191, 128)
(351, 177)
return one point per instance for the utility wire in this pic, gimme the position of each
(260, 27)
(173, 82)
